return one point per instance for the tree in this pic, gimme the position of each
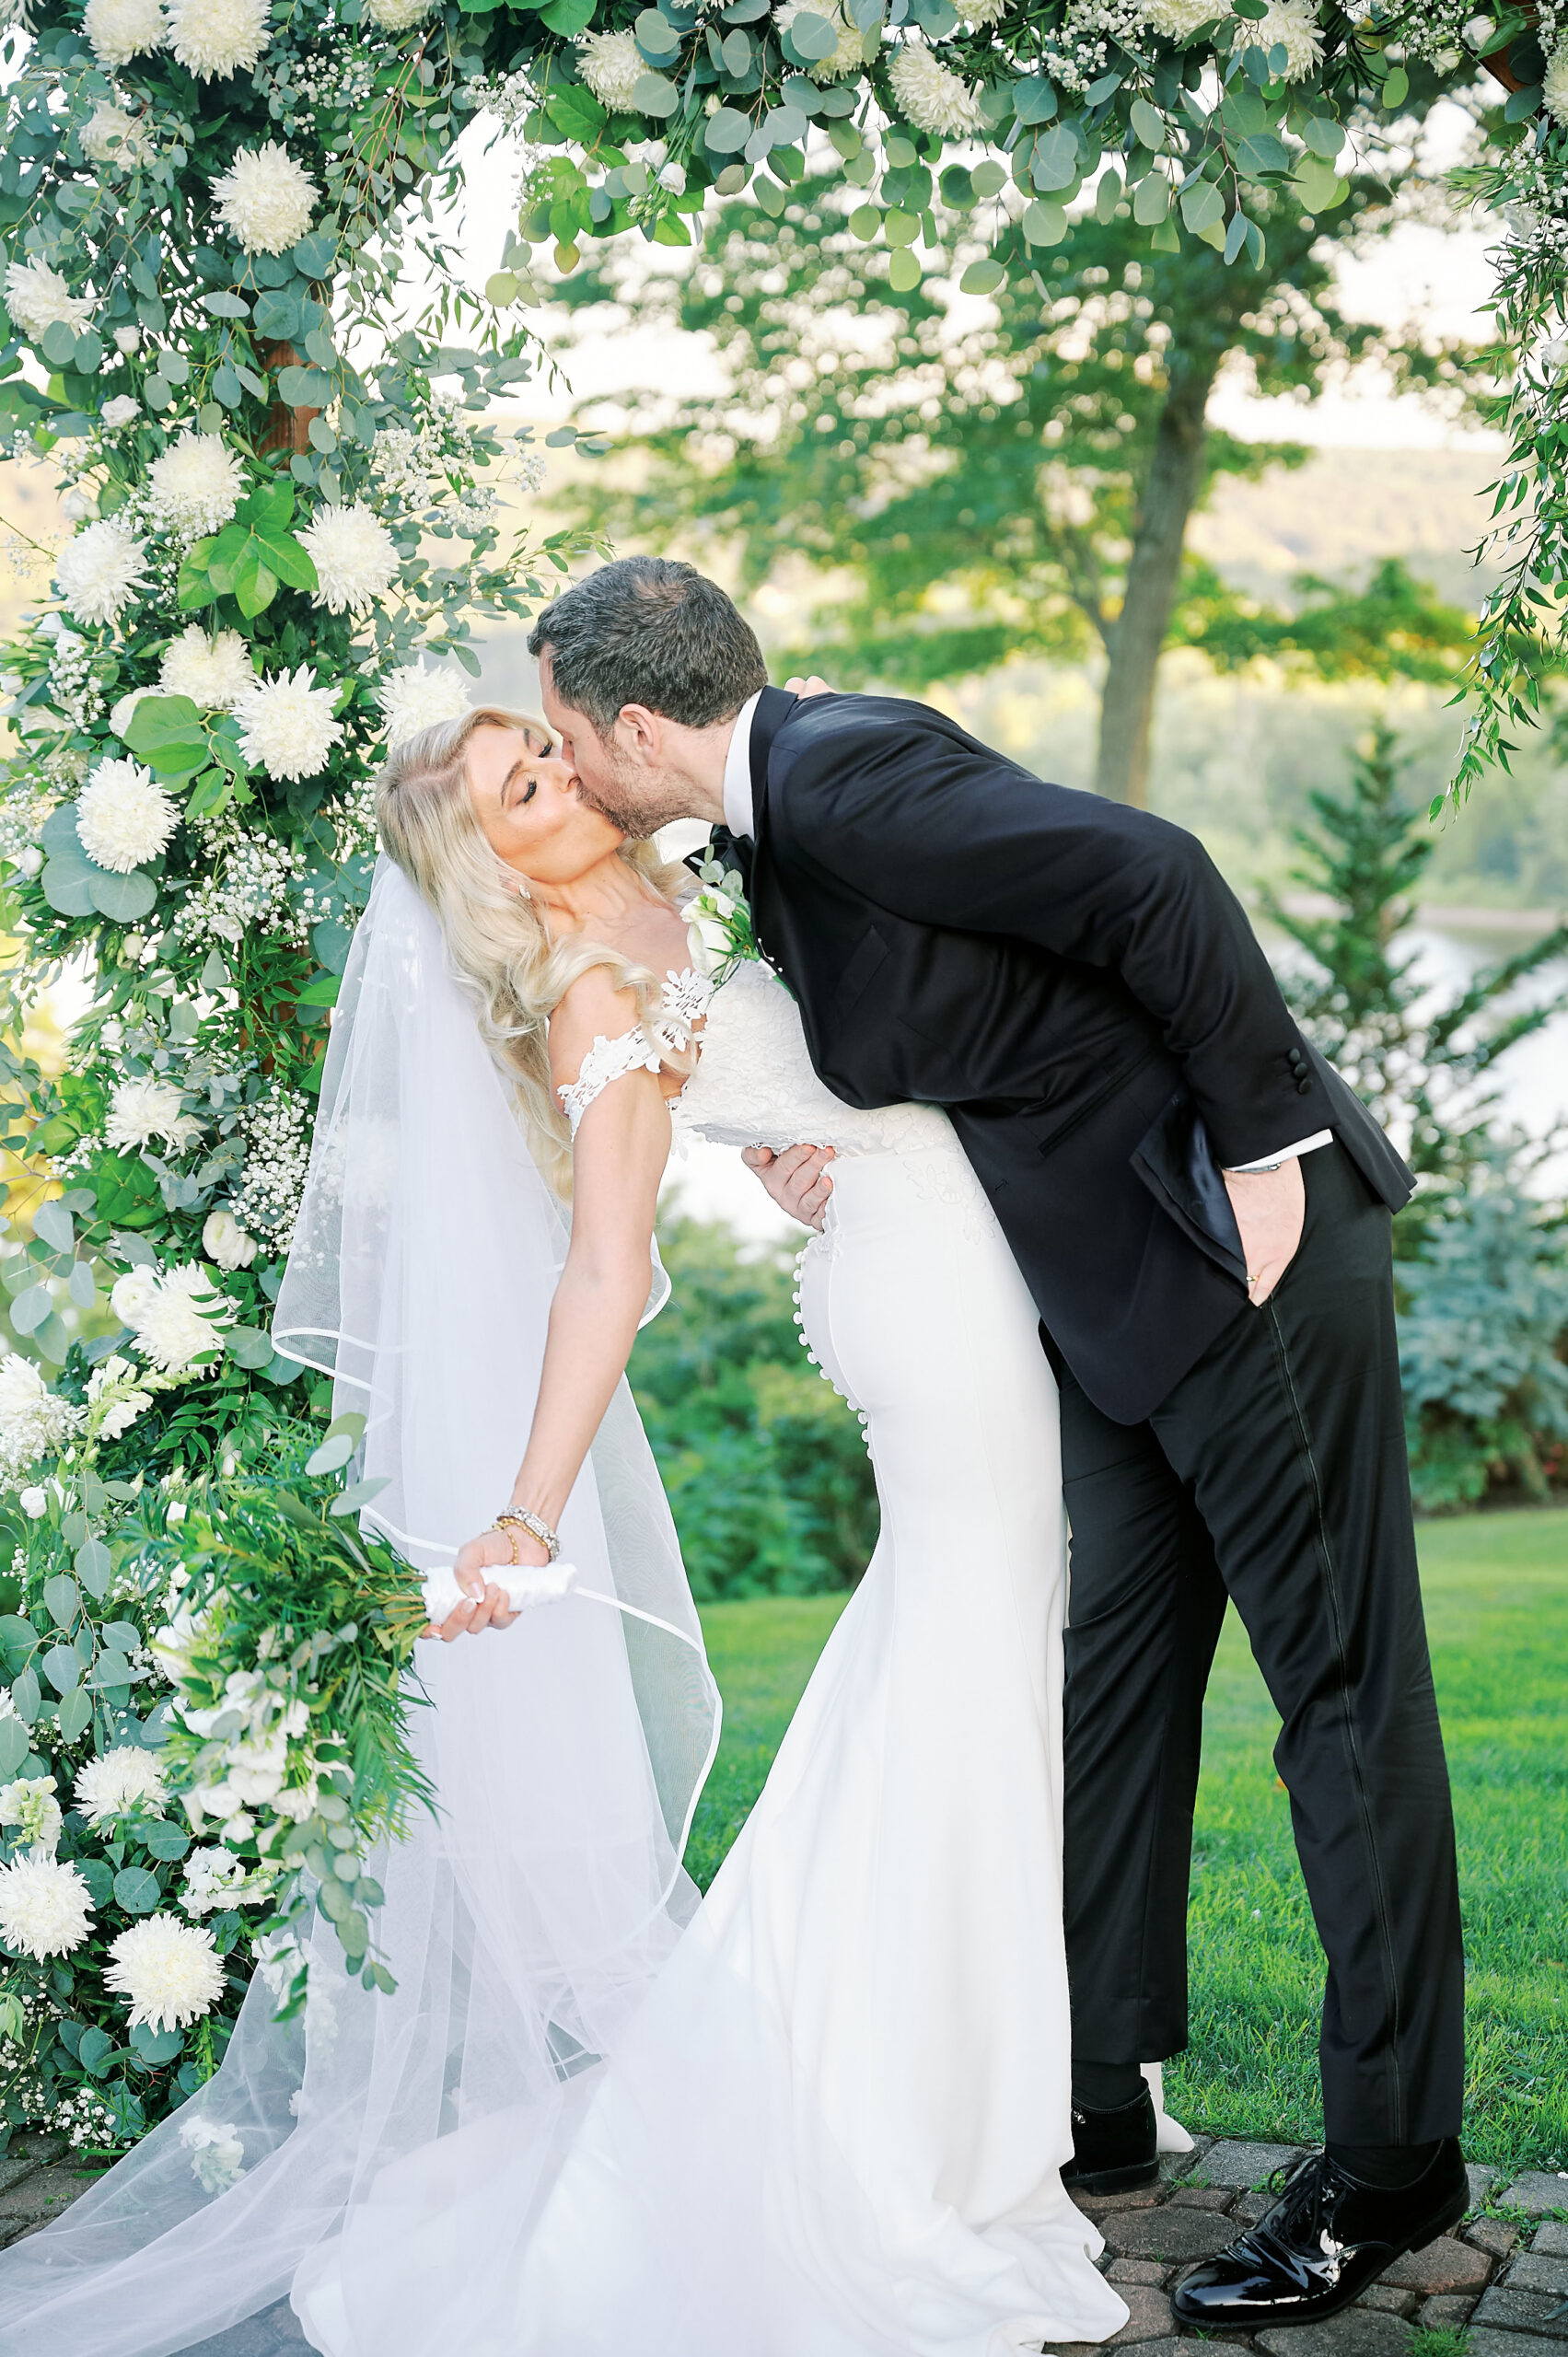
(1426, 1069)
(1023, 483)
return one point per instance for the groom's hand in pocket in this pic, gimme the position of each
(798, 1179)
(1271, 1211)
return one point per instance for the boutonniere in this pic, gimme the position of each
(719, 920)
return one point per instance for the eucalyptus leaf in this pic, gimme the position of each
(136, 1890)
(332, 1455)
(30, 1309)
(63, 1598)
(95, 1568)
(75, 1713)
(15, 1745)
(54, 1223)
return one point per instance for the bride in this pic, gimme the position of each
(823, 2113)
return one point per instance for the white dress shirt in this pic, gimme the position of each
(739, 818)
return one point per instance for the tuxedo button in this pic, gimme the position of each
(1298, 1060)
(1303, 1086)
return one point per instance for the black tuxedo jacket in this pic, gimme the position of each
(1074, 982)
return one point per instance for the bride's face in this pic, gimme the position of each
(530, 808)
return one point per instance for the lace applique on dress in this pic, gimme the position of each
(684, 999)
(606, 1061)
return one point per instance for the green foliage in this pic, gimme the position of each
(79, 1685)
(981, 493)
(1484, 1350)
(765, 1466)
(287, 1650)
(1426, 1068)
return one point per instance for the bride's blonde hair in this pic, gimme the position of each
(498, 944)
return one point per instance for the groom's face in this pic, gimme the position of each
(625, 776)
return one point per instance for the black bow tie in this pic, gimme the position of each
(729, 851)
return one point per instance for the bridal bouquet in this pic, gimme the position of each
(288, 1630)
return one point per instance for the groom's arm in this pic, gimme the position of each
(936, 829)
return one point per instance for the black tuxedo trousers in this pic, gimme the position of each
(1272, 1476)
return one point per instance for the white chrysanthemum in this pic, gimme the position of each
(167, 1970)
(139, 1111)
(121, 411)
(45, 1906)
(225, 1242)
(847, 58)
(413, 698)
(265, 199)
(1293, 26)
(1554, 82)
(124, 818)
(99, 571)
(1177, 18)
(125, 1782)
(185, 1316)
(397, 15)
(122, 30)
(32, 1418)
(110, 135)
(355, 555)
(612, 64)
(29, 1805)
(218, 37)
(38, 297)
(287, 724)
(214, 671)
(930, 95)
(195, 486)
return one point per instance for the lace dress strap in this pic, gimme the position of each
(684, 1001)
(606, 1061)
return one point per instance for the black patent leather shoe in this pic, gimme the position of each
(1324, 2241)
(1113, 2152)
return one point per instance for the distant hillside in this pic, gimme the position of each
(1344, 509)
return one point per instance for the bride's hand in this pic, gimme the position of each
(489, 1605)
(811, 687)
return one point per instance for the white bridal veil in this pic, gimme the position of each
(525, 1921)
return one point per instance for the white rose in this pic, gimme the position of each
(224, 1241)
(34, 1504)
(132, 1293)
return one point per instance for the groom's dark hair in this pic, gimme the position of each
(649, 631)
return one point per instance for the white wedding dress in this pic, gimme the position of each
(821, 2113)
(835, 2128)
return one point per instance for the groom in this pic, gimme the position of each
(1201, 1209)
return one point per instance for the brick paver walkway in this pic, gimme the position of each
(1503, 2278)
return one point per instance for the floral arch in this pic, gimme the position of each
(286, 520)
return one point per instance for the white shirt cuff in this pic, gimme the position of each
(1285, 1154)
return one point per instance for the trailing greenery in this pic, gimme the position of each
(288, 1635)
(765, 1466)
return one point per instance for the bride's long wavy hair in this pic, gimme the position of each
(499, 947)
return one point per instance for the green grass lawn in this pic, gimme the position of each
(1497, 1605)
